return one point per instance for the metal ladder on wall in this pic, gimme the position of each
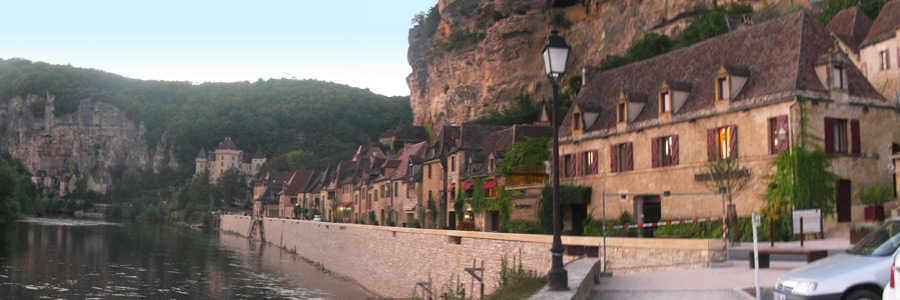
(254, 224)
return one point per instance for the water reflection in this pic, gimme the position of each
(58, 258)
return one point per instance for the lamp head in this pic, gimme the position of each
(556, 54)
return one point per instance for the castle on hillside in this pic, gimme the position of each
(228, 156)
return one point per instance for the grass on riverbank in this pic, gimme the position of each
(521, 289)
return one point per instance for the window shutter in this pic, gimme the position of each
(829, 135)
(733, 146)
(561, 165)
(595, 164)
(711, 143)
(572, 164)
(579, 166)
(854, 136)
(674, 158)
(629, 157)
(612, 159)
(782, 123)
(654, 152)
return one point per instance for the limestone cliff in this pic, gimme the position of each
(452, 83)
(83, 145)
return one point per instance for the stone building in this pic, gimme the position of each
(228, 156)
(266, 190)
(289, 197)
(874, 46)
(648, 128)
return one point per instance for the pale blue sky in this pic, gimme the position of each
(357, 42)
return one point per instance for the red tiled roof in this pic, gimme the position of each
(885, 25)
(780, 56)
(850, 26)
(297, 182)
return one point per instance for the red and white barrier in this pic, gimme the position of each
(656, 224)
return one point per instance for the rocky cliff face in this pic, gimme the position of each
(450, 87)
(83, 145)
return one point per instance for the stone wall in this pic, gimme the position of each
(390, 260)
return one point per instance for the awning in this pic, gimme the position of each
(409, 207)
(345, 204)
(467, 186)
(452, 185)
(489, 184)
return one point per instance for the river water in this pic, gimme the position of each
(86, 259)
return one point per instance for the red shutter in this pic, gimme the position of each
(572, 164)
(734, 144)
(674, 158)
(783, 144)
(898, 57)
(612, 159)
(711, 143)
(560, 166)
(829, 135)
(579, 165)
(595, 164)
(854, 136)
(654, 152)
(629, 157)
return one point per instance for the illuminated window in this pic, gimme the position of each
(666, 151)
(723, 142)
(722, 88)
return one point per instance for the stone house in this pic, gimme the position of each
(289, 196)
(874, 46)
(266, 192)
(435, 180)
(648, 128)
(228, 156)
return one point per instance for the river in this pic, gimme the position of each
(88, 259)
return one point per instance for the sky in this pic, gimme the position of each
(355, 42)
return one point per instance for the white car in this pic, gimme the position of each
(317, 218)
(890, 291)
(858, 274)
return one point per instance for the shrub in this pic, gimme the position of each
(874, 196)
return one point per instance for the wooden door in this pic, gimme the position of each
(652, 213)
(843, 200)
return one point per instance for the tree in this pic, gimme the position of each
(530, 153)
(432, 211)
(726, 176)
(232, 186)
(302, 160)
(870, 7)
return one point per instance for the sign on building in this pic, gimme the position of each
(812, 220)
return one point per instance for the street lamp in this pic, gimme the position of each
(556, 55)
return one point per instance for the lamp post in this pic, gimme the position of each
(556, 54)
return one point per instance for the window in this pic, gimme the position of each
(430, 195)
(665, 102)
(395, 189)
(837, 73)
(842, 136)
(429, 171)
(453, 163)
(589, 162)
(665, 151)
(576, 121)
(721, 142)
(885, 60)
(620, 113)
(622, 157)
(722, 88)
(778, 139)
(565, 170)
(293, 200)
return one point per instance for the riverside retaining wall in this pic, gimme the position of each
(390, 261)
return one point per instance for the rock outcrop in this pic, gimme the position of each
(468, 80)
(59, 150)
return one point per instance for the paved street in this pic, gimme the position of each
(709, 283)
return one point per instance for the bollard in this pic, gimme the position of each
(802, 236)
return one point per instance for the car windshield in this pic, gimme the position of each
(881, 242)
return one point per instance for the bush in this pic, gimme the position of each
(874, 196)
(559, 19)
(517, 226)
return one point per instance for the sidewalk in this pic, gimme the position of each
(709, 283)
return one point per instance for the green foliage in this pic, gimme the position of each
(559, 19)
(594, 227)
(520, 226)
(372, 218)
(652, 44)
(705, 230)
(522, 111)
(503, 205)
(477, 201)
(232, 186)
(459, 206)
(432, 211)
(801, 180)
(457, 40)
(275, 115)
(396, 145)
(292, 161)
(727, 175)
(874, 196)
(429, 129)
(710, 24)
(832, 7)
(428, 22)
(532, 152)
(567, 195)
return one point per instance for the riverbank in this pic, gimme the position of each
(390, 261)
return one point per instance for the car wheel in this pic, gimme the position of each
(862, 295)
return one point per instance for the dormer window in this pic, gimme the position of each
(665, 102)
(576, 121)
(722, 88)
(885, 60)
(837, 77)
(621, 113)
